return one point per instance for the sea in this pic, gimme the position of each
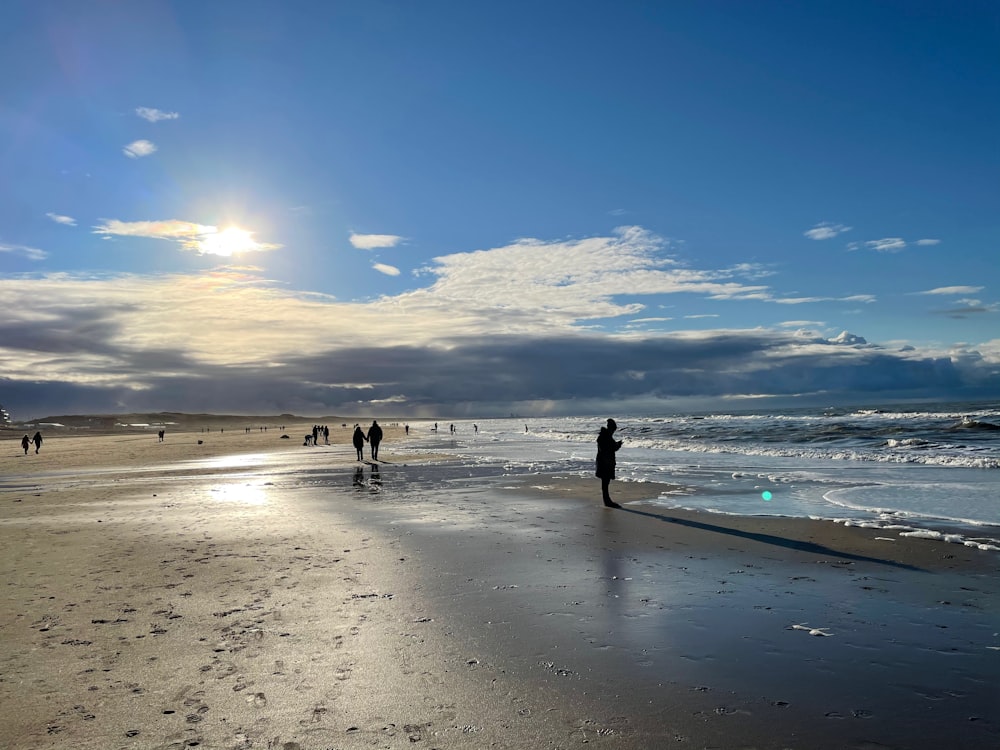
(930, 470)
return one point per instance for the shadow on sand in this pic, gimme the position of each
(777, 541)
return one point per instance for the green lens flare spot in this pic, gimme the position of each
(766, 495)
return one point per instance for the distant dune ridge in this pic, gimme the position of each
(176, 420)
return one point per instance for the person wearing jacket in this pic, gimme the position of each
(359, 441)
(374, 437)
(607, 446)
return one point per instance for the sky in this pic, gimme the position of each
(425, 209)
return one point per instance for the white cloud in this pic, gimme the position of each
(202, 238)
(928, 242)
(387, 270)
(953, 290)
(887, 245)
(60, 219)
(155, 115)
(136, 149)
(31, 253)
(697, 317)
(168, 229)
(373, 241)
(231, 339)
(826, 231)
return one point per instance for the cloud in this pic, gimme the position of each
(969, 307)
(31, 253)
(202, 238)
(803, 300)
(697, 317)
(953, 290)
(826, 231)
(140, 148)
(928, 242)
(387, 270)
(514, 328)
(155, 115)
(60, 219)
(373, 241)
(144, 343)
(887, 245)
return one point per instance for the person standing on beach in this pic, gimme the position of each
(25, 442)
(359, 441)
(374, 437)
(37, 440)
(607, 446)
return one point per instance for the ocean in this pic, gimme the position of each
(927, 471)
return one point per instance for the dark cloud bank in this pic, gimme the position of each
(497, 375)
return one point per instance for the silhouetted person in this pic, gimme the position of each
(374, 437)
(607, 446)
(25, 442)
(407, 428)
(160, 435)
(358, 438)
(37, 440)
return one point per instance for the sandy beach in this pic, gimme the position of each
(250, 592)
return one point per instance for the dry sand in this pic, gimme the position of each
(249, 592)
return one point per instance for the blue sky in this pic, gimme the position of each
(445, 208)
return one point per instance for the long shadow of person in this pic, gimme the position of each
(777, 541)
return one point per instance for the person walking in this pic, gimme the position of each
(607, 446)
(25, 442)
(37, 440)
(374, 437)
(358, 438)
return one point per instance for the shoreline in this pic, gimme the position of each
(300, 599)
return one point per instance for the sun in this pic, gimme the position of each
(229, 241)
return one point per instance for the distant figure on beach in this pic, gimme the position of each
(160, 435)
(25, 442)
(37, 440)
(607, 446)
(475, 429)
(374, 437)
(407, 428)
(359, 441)
(326, 434)
(309, 438)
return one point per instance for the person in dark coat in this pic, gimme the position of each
(37, 440)
(25, 442)
(607, 446)
(359, 441)
(374, 437)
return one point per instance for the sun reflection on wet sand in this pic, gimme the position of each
(242, 494)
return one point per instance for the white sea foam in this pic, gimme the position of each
(895, 470)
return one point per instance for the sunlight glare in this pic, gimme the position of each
(229, 241)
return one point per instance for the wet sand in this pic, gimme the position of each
(158, 597)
